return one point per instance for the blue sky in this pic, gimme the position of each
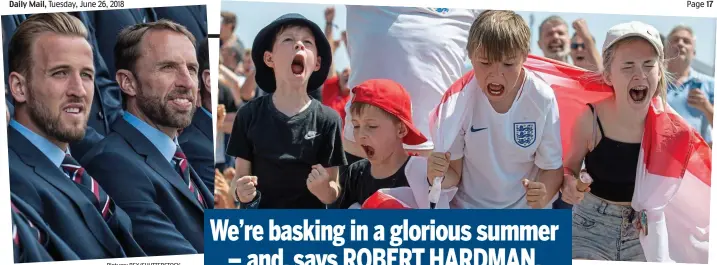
(253, 16)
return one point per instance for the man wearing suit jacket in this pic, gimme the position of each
(33, 240)
(140, 162)
(197, 140)
(51, 81)
(106, 105)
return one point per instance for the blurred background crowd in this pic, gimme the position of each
(571, 38)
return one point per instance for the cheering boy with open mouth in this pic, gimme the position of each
(288, 146)
(382, 123)
(505, 150)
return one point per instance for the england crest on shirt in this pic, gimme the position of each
(524, 133)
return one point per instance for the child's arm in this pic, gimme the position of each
(440, 164)
(347, 191)
(324, 183)
(330, 156)
(243, 186)
(549, 158)
(453, 174)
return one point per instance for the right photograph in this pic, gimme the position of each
(372, 107)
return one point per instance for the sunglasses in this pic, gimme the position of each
(575, 46)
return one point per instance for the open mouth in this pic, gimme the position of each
(495, 89)
(297, 65)
(555, 46)
(579, 58)
(638, 93)
(182, 103)
(74, 109)
(368, 150)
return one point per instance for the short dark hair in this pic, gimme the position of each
(203, 60)
(127, 48)
(281, 29)
(229, 18)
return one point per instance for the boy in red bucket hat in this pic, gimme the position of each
(381, 118)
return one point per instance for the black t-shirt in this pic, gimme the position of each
(225, 97)
(282, 149)
(357, 183)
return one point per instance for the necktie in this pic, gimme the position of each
(15, 238)
(89, 186)
(182, 167)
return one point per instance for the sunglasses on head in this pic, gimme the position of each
(576, 45)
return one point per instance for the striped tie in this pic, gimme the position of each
(15, 238)
(182, 168)
(91, 188)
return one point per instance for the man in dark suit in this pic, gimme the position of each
(33, 240)
(51, 81)
(106, 105)
(197, 140)
(140, 162)
(194, 18)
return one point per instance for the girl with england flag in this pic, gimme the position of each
(650, 169)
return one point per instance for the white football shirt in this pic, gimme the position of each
(500, 150)
(423, 49)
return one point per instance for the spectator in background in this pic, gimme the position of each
(691, 94)
(582, 48)
(241, 81)
(225, 98)
(553, 39)
(423, 49)
(232, 49)
(197, 140)
(336, 91)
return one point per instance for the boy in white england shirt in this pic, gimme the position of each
(508, 153)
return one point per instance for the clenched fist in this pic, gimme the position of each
(438, 165)
(245, 189)
(318, 179)
(535, 193)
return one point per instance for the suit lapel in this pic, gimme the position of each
(53, 175)
(154, 158)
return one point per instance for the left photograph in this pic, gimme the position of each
(110, 133)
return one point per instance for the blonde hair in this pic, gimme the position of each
(609, 55)
(20, 48)
(501, 34)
